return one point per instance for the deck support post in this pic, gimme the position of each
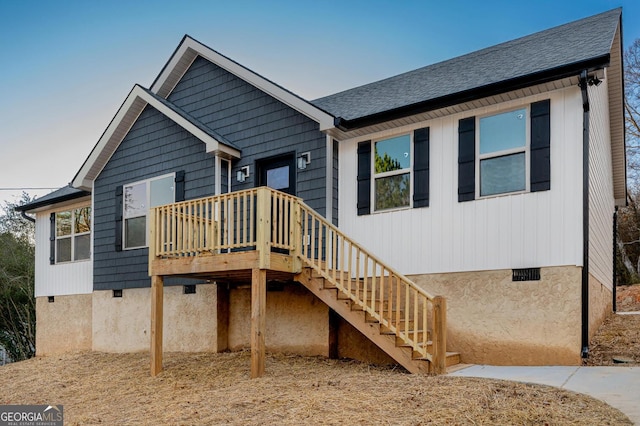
(157, 292)
(258, 321)
(440, 335)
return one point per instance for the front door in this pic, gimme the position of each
(278, 173)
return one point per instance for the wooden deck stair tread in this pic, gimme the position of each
(352, 311)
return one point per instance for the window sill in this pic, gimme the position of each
(504, 194)
(391, 210)
(70, 262)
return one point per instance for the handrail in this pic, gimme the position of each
(264, 219)
(393, 300)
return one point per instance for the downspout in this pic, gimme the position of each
(585, 212)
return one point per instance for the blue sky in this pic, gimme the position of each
(68, 65)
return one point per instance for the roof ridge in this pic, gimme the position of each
(480, 52)
(547, 55)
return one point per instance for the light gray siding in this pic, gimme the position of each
(601, 198)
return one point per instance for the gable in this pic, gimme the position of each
(189, 49)
(124, 119)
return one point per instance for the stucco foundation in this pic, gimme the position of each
(352, 344)
(493, 320)
(297, 321)
(121, 324)
(600, 304)
(63, 326)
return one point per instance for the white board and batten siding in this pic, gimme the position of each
(65, 278)
(601, 197)
(523, 230)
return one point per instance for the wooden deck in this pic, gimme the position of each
(260, 235)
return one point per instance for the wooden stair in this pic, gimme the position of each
(354, 313)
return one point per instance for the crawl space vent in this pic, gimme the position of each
(526, 274)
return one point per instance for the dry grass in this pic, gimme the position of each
(619, 335)
(98, 388)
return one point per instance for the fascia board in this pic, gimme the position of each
(83, 179)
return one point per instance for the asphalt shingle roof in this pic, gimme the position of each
(65, 193)
(573, 43)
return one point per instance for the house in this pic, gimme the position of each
(464, 206)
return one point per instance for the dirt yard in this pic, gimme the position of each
(628, 298)
(211, 389)
(98, 388)
(618, 339)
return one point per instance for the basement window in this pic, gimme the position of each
(51, 299)
(117, 293)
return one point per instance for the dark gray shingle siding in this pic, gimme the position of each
(154, 146)
(248, 118)
(258, 124)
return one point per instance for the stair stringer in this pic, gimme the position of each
(371, 330)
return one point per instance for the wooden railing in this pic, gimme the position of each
(223, 223)
(264, 219)
(399, 305)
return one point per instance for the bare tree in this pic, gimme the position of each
(628, 255)
(632, 110)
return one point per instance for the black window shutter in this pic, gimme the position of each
(118, 219)
(179, 180)
(467, 159)
(52, 239)
(364, 178)
(541, 146)
(421, 168)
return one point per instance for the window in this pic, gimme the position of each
(503, 152)
(392, 172)
(399, 166)
(138, 198)
(278, 178)
(73, 235)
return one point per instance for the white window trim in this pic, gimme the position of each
(375, 175)
(72, 235)
(146, 215)
(495, 154)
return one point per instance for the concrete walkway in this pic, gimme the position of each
(617, 386)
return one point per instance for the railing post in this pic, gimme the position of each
(439, 335)
(295, 229)
(152, 239)
(263, 231)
